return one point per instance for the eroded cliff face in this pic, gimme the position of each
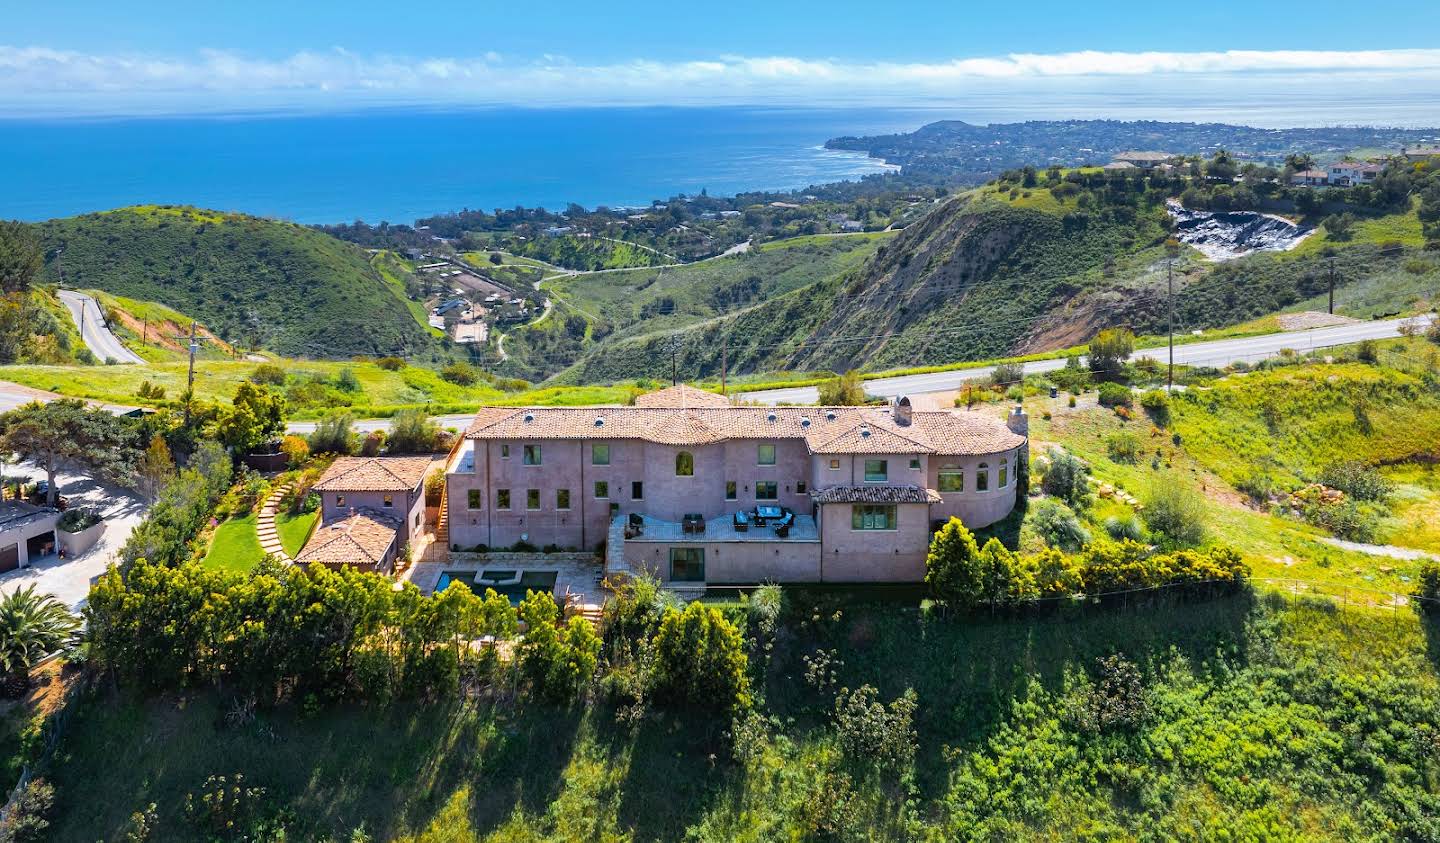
(1227, 235)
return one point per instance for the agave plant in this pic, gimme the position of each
(31, 626)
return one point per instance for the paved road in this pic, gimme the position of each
(104, 345)
(14, 395)
(1213, 353)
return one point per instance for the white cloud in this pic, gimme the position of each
(39, 78)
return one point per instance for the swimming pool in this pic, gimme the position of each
(512, 584)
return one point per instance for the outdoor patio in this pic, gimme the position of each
(577, 575)
(723, 530)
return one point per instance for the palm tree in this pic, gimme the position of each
(31, 627)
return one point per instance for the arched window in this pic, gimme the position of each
(684, 464)
(982, 477)
(1003, 480)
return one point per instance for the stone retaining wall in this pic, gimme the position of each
(510, 557)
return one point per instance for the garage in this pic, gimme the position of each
(9, 558)
(40, 546)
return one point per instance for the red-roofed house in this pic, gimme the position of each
(865, 484)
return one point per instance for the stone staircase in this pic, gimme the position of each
(442, 521)
(265, 525)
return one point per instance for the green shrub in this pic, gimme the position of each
(1357, 480)
(333, 435)
(269, 374)
(1124, 528)
(558, 661)
(1123, 447)
(391, 364)
(1157, 405)
(1176, 511)
(952, 566)
(873, 734)
(1115, 395)
(460, 373)
(700, 660)
(412, 432)
(1066, 478)
(1057, 524)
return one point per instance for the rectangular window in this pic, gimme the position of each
(472, 499)
(914, 463)
(982, 478)
(602, 489)
(765, 455)
(872, 517)
(532, 454)
(687, 564)
(1004, 476)
(876, 471)
(505, 451)
(637, 491)
(834, 465)
(502, 498)
(562, 498)
(599, 454)
(532, 498)
(952, 480)
(730, 494)
(389, 501)
(339, 500)
(767, 490)
(800, 487)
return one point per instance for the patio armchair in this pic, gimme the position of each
(782, 529)
(741, 522)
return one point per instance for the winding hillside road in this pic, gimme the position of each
(91, 322)
(1213, 353)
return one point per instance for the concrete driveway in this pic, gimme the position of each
(69, 579)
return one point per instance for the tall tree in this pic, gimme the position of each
(256, 415)
(20, 257)
(155, 469)
(31, 627)
(67, 434)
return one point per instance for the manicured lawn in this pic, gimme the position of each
(236, 546)
(295, 529)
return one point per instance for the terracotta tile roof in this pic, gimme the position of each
(361, 539)
(1141, 155)
(374, 474)
(680, 396)
(824, 429)
(876, 494)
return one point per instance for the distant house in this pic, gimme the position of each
(786, 205)
(27, 534)
(837, 219)
(852, 226)
(370, 507)
(1310, 178)
(1351, 173)
(728, 214)
(1421, 153)
(558, 230)
(447, 307)
(1119, 166)
(1145, 160)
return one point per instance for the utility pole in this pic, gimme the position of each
(1170, 285)
(190, 378)
(724, 361)
(1332, 286)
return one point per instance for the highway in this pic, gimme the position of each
(103, 344)
(1216, 353)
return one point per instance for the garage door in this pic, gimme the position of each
(9, 558)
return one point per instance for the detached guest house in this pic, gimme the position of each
(697, 491)
(370, 508)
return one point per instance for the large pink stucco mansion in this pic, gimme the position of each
(866, 486)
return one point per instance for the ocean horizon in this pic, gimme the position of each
(400, 164)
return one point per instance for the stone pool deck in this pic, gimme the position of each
(577, 581)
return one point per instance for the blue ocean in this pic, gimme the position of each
(399, 165)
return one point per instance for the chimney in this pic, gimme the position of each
(902, 414)
(1018, 422)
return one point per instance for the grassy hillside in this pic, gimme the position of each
(257, 283)
(36, 327)
(1260, 718)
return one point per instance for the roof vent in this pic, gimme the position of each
(830, 416)
(804, 422)
(599, 421)
(771, 417)
(865, 433)
(529, 417)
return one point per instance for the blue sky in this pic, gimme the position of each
(87, 55)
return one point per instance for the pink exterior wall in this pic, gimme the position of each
(566, 464)
(852, 470)
(407, 507)
(739, 562)
(850, 555)
(976, 509)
